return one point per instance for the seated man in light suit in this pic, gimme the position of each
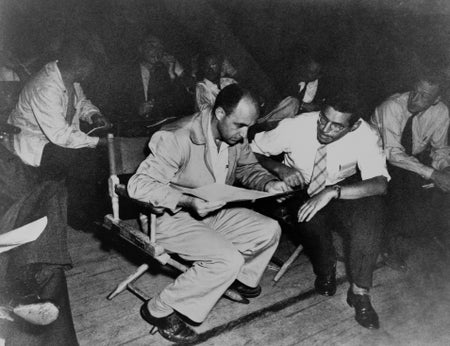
(322, 152)
(224, 243)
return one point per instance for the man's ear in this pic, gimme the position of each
(355, 125)
(219, 113)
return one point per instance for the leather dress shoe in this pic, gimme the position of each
(326, 284)
(365, 314)
(171, 327)
(246, 291)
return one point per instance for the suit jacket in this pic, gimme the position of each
(170, 97)
(180, 155)
(41, 115)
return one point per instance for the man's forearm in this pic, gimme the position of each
(271, 165)
(365, 188)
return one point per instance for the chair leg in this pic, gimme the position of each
(288, 263)
(123, 285)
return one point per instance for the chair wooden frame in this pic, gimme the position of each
(145, 242)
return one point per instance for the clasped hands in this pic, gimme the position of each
(441, 179)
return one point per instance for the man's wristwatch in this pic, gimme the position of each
(338, 189)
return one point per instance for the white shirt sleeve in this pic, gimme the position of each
(273, 142)
(203, 97)
(371, 157)
(391, 130)
(49, 112)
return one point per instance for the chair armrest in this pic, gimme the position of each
(121, 190)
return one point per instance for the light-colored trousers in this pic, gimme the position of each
(234, 243)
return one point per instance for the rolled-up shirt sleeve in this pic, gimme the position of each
(151, 181)
(371, 157)
(391, 128)
(49, 112)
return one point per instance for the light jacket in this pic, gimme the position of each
(180, 156)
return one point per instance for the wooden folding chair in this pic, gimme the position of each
(125, 155)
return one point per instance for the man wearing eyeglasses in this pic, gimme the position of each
(336, 158)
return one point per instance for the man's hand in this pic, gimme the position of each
(99, 120)
(276, 187)
(199, 206)
(441, 179)
(145, 108)
(291, 176)
(315, 203)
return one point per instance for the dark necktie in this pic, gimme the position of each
(407, 136)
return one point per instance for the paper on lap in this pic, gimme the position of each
(22, 235)
(226, 193)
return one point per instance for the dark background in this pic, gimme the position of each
(373, 45)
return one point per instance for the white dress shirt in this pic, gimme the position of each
(428, 128)
(206, 92)
(297, 139)
(310, 92)
(219, 158)
(41, 113)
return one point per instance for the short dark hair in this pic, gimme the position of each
(434, 76)
(345, 102)
(75, 50)
(229, 97)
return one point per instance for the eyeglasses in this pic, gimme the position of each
(323, 121)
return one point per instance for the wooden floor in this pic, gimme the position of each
(414, 307)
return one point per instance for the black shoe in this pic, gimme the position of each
(365, 314)
(246, 291)
(171, 327)
(326, 284)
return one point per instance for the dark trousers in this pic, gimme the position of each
(85, 171)
(413, 210)
(22, 200)
(360, 222)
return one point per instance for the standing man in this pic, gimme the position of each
(414, 129)
(48, 114)
(322, 153)
(227, 245)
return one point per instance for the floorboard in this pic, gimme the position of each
(414, 308)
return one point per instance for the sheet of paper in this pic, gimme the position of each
(226, 193)
(22, 235)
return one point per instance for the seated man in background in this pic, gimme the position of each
(300, 91)
(150, 89)
(48, 114)
(226, 245)
(322, 152)
(34, 272)
(211, 80)
(414, 129)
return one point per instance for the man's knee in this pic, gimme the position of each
(231, 261)
(273, 231)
